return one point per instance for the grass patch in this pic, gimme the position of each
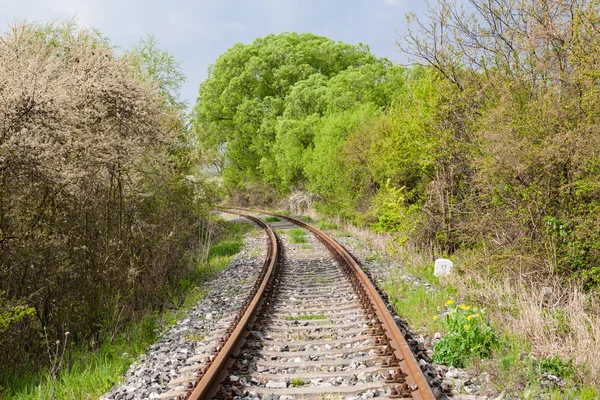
(297, 235)
(297, 382)
(225, 249)
(342, 234)
(306, 247)
(326, 225)
(417, 303)
(304, 317)
(89, 374)
(272, 219)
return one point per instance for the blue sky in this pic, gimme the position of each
(197, 32)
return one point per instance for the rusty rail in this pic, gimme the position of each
(417, 382)
(211, 379)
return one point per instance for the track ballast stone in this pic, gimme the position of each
(194, 335)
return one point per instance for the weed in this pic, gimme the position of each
(296, 382)
(555, 365)
(343, 234)
(416, 303)
(306, 247)
(255, 252)
(469, 335)
(297, 235)
(327, 225)
(225, 249)
(302, 317)
(272, 219)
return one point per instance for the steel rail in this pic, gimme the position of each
(209, 383)
(416, 379)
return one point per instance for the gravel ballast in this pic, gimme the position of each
(148, 377)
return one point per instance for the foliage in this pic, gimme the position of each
(93, 373)
(557, 366)
(97, 218)
(263, 102)
(469, 335)
(297, 235)
(272, 219)
(159, 67)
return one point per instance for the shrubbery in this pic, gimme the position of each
(96, 217)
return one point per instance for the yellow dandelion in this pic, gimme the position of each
(476, 315)
(439, 308)
(467, 327)
(462, 306)
(435, 317)
(470, 317)
(450, 302)
(467, 307)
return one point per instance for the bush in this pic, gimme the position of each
(469, 336)
(96, 217)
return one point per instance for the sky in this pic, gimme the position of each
(196, 32)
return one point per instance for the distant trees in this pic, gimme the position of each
(95, 216)
(283, 106)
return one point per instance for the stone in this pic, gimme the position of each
(443, 267)
(276, 385)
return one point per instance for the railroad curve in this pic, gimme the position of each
(314, 327)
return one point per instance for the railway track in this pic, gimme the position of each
(312, 326)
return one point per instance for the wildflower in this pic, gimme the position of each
(470, 317)
(467, 327)
(450, 302)
(476, 315)
(435, 317)
(462, 307)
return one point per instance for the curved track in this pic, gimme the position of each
(315, 327)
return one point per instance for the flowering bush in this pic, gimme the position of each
(469, 335)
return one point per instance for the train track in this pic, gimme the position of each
(312, 326)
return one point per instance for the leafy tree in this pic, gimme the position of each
(247, 92)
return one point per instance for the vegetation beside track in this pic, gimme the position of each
(88, 374)
(515, 364)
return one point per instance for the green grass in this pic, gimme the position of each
(323, 225)
(303, 317)
(297, 382)
(272, 219)
(342, 234)
(297, 235)
(225, 249)
(306, 247)
(89, 374)
(417, 304)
